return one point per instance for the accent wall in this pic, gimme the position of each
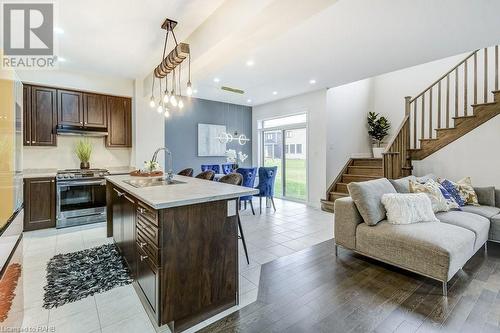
(181, 131)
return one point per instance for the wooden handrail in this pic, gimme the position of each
(444, 76)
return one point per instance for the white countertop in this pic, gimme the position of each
(193, 191)
(39, 173)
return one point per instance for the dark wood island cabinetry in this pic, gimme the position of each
(184, 258)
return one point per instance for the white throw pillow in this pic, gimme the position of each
(406, 208)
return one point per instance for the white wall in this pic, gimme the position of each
(149, 126)
(315, 105)
(62, 156)
(475, 155)
(347, 137)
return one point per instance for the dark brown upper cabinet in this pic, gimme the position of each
(94, 107)
(119, 122)
(69, 108)
(39, 203)
(45, 108)
(40, 116)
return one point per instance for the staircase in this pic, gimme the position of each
(459, 101)
(355, 170)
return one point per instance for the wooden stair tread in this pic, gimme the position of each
(487, 103)
(365, 167)
(464, 117)
(340, 194)
(360, 176)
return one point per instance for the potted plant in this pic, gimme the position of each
(83, 150)
(378, 128)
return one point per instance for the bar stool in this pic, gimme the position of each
(236, 179)
(207, 175)
(188, 172)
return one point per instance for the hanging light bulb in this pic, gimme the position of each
(189, 89)
(160, 108)
(166, 95)
(167, 113)
(152, 103)
(173, 100)
(181, 103)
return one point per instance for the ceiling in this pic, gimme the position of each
(290, 42)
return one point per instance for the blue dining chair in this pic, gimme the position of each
(267, 176)
(227, 168)
(210, 167)
(248, 181)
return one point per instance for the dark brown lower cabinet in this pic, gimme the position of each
(184, 261)
(39, 203)
(123, 209)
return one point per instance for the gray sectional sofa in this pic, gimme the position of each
(433, 249)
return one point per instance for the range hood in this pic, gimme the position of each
(82, 131)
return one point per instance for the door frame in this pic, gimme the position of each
(283, 129)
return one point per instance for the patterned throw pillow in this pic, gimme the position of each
(431, 188)
(452, 188)
(467, 192)
(449, 198)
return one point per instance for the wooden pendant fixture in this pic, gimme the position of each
(175, 57)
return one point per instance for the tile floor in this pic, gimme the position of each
(292, 228)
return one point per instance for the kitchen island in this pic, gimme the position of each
(180, 242)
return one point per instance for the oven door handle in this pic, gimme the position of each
(78, 183)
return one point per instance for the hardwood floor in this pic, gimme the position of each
(312, 291)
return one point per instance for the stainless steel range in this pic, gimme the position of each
(81, 197)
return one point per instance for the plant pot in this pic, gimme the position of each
(84, 165)
(377, 152)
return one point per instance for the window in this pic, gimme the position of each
(270, 136)
(289, 134)
(287, 149)
(289, 120)
(299, 148)
(292, 149)
(268, 151)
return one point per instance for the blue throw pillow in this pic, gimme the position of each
(452, 203)
(452, 190)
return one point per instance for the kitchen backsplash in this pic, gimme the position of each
(63, 156)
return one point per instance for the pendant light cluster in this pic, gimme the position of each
(171, 65)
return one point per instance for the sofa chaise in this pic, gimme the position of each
(432, 249)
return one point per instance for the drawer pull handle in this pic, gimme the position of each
(144, 257)
(118, 192)
(142, 244)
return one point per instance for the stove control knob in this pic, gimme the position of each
(71, 176)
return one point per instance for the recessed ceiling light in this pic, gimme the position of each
(58, 31)
(275, 93)
(249, 101)
(216, 79)
(312, 81)
(250, 63)
(61, 59)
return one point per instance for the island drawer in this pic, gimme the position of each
(147, 279)
(147, 213)
(150, 249)
(148, 229)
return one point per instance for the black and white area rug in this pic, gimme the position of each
(74, 276)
